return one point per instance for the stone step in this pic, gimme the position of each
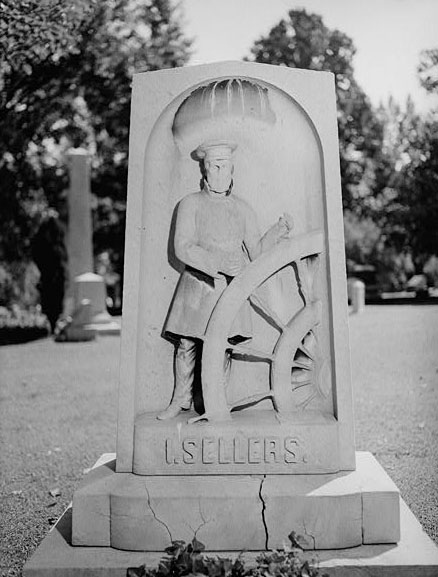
(237, 512)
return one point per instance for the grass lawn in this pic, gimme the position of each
(58, 407)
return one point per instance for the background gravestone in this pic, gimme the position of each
(83, 284)
(79, 230)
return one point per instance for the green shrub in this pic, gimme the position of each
(430, 269)
(19, 284)
(181, 560)
(20, 326)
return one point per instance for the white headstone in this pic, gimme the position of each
(275, 434)
(91, 287)
(358, 296)
(286, 161)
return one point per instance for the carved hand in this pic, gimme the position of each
(278, 231)
(284, 225)
(231, 264)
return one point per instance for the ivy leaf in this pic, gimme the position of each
(175, 548)
(198, 547)
(293, 538)
(136, 571)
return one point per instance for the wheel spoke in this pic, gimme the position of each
(299, 384)
(304, 403)
(261, 304)
(251, 400)
(251, 352)
(301, 365)
(306, 351)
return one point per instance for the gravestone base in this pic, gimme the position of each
(415, 555)
(74, 334)
(91, 287)
(146, 513)
(108, 327)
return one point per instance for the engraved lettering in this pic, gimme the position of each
(290, 446)
(272, 450)
(208, 449)
(190, 451)
(169, 452)
(239, 452)
(225, 451)
(255, 450)
(171, 455)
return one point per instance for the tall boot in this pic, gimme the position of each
(185, 359)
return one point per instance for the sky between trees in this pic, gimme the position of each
(388, 34)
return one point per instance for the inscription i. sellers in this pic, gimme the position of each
(234, 450)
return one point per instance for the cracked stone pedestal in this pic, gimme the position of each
(146, 513)
(365, 500)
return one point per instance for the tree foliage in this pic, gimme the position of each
(428, 70)
(417, 199)
(388, 157)
(66, 74)
(303, 41)
(407, 208)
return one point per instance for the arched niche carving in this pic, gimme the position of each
(278, 168)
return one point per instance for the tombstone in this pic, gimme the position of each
(83, 283)
(358, 296)
(79, 230)
(77, 328)
(92, 287)
(274, 442)
(270, 443)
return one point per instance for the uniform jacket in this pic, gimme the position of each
(209, 228)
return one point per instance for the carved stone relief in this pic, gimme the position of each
(224, 109)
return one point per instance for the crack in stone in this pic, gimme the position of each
(263, 512)
(155, 516)
(101, 514)
(203, 523)
(309, 535)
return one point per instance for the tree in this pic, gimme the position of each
(303, 41)
(34, 38)
(428, 70)
(66, 76)
(417, 199)
(389, 157)
(406, 209)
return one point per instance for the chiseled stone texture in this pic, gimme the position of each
(91, 505)
(331, 511)
(148, 513)
(416, 555)
(325, 513)
(254, 443)
(162, 172)
(137, 512)
(380, 503)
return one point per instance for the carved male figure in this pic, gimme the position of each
(216, 235)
